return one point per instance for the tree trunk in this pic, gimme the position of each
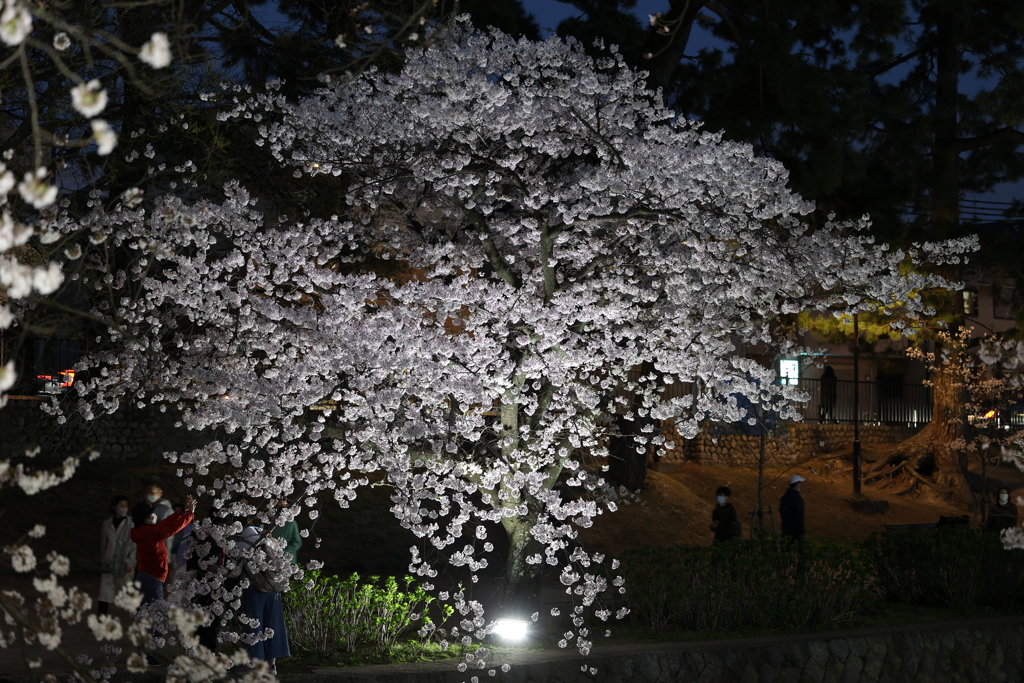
(939, 445)
(521, 596)
(627, 457)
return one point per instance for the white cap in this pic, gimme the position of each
(796, 478)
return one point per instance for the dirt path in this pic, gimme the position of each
(676, 508)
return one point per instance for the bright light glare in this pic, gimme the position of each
(510, 629)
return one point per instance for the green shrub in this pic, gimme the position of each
(744, 585)
(953, 566)
(324, 612)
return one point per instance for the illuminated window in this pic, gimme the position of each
(789, 371)
(970, 302)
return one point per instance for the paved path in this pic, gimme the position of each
(527, 665)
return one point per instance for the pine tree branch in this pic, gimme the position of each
(1003, 135)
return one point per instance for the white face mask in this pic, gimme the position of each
(1003, 497)
(121, 512)
(152, 498)
(721, 500)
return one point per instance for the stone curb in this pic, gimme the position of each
(986, 649)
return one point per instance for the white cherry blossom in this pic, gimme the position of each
(89, 98)
(35, 190)
(15, 22)
(104, 135)
(156, 51)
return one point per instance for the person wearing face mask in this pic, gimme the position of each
(1002, 515)
(153, 501)
(117, 552)
(723, 519)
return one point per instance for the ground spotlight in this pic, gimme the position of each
(510, 629)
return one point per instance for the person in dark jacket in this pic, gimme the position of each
(723, 519)
(829, 393)
(791, 509)
(1002, 515)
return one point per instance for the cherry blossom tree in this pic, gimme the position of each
(556, 228)
(48, 77)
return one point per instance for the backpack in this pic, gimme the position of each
(266, 581)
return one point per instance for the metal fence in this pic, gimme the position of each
(887, 403)
(880, 403)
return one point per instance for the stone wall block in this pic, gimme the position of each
(833, 671)
(853, 668)
(732, 663)
(874, 658)
(818, 651)
(620, 667)
(1012, 652)
(893, 663)
(996, 668)
(926, 665)
(696, 662)
(749, 675)
(839, 648)
(671, 665)
(567, 671)
(911, 644)
(710, 674)
(768, 673)
(813, 672)
(997, 653)
(979, 653)
(789, 674)
(647, 667)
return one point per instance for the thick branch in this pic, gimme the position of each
(1001, 136)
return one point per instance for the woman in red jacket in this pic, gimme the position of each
(151, 551)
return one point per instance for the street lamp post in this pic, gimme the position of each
(856, 407)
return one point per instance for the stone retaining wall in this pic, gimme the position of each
(127, 433)
(132, 432)
(725, 446)
(977, 651)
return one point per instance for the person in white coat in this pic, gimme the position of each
(117, 552)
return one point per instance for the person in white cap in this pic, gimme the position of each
(791, 509)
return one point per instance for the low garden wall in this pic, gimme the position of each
(723, 445)
(132, 432)
(987, 650)
(128, 433)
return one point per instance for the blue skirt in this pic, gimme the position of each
(267, 608)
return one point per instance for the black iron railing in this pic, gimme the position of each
(881, 403)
